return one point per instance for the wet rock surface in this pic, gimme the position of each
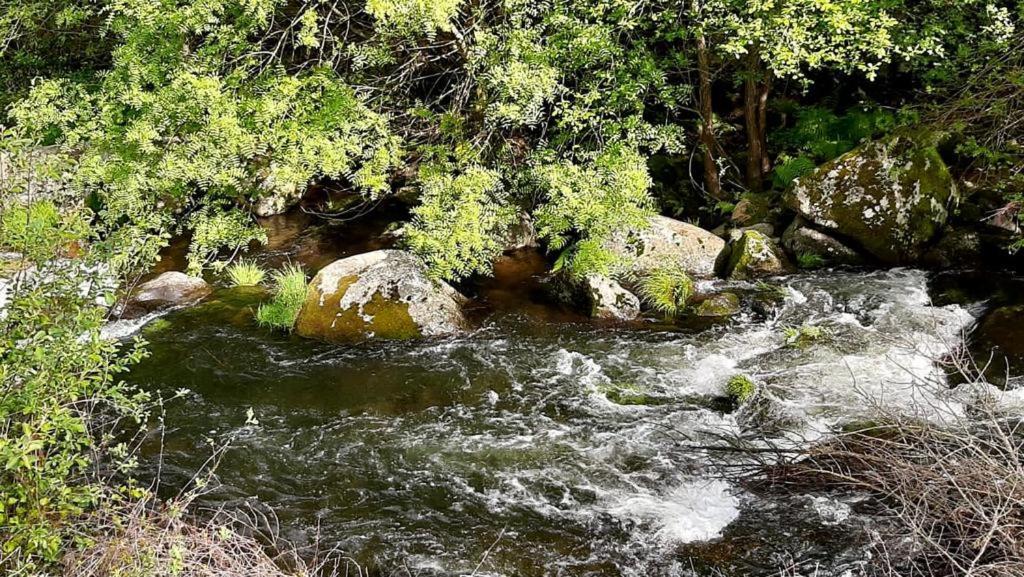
(385, 294)
(800, 239)
(607, 299)
(755, 255)
(669, 242)
(891, 196)
(169, 290)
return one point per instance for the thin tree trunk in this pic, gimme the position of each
(707, 126)
(755, 102)
(762, 119)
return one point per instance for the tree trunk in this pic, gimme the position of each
(755, 113)
(707, 120)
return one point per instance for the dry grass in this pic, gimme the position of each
(143, 541)
(952, 495)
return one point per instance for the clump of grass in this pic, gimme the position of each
(666, 290)
(289, 294)
(809, 260)
(625, 393)
(740, 388)
(244, 273)
(801, 337)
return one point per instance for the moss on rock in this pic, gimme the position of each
(891, 195)
(756, 255)
(385, 294)
(719, 305)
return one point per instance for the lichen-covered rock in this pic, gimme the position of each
(755, 255)
(382, 294)
(890, 196)
(608, 300)
(169, 290)
(800, 239)
(669, 242)
(718, 305)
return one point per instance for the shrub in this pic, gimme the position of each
(461, 224)
(289, 294)
(740, 388)
(666, 290)
(244, 273)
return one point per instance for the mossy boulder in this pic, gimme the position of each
(384, 294)
(718, 305)
(755, 255)
(800, 240)
(891, 196)
(668, 242)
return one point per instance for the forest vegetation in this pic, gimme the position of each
(129, 123)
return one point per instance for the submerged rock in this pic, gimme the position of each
(998, 346)
(607, 299)
(382, 294)
(718, 305)
(669, 242)
(957, 247)
(755, 255)
(169, 290)
(800, 239)
(890, 196)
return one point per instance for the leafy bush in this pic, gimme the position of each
(823, 135)
(244, 273)
(810, 260)
(666, 289)
(289, 294)
(61, 397)
(584, 205)
(462, 221)
(214, 231)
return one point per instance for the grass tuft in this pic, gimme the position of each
(289, 294)
(244, 273)
(666, 290)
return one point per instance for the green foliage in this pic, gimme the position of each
(822, 135)
(803, 336)
(584, 205)
(791, 169)
(665, 290)
(244, 273)
(810, 260)
(60, 390)
(213, 231)
(462, 222)
(740, 388)
(289, 295)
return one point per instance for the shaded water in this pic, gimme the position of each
(506, 448)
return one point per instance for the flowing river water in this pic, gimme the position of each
(542, 444)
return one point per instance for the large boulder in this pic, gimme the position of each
(890, 196)
(755, 255)
(608, 300)
(669, 242)
(169, 290)
(800, 239)
(382, 294)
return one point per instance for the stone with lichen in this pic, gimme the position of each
(755, 255)
(385, 294)
(890, 196)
